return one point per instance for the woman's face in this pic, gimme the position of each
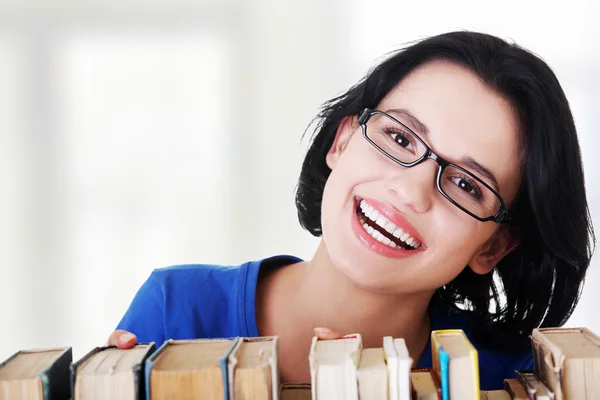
(464, 119)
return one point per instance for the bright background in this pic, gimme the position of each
(137, 135)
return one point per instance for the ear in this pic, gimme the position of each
(502, 242)
(343, 134)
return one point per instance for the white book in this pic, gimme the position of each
(372, 375)
(399, 364)
(333, 368)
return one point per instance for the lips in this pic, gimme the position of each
(383, 230)
(397, 219)
(389, 245)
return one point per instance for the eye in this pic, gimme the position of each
(467, 185)
(402, 139)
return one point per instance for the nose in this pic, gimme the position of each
(415, 186)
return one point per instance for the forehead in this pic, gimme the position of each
(464, 117)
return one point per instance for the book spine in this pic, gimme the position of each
(55, 379)
(139, 373)
(223, 362)
(444, 359)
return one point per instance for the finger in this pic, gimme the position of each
(327, 334)
(122, 339)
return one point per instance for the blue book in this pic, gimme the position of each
(189, 369)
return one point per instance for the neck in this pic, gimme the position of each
(322, 296)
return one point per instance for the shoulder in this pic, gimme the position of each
(201, 278)
(198, 300)
(196, 277)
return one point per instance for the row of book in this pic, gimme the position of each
(567, 367)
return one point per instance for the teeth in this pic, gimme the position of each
(375, 216)
(381, 221)
(390, 227)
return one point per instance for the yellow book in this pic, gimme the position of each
(456, 364)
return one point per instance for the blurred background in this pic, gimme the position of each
(136, 135)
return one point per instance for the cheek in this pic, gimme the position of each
(461, 241)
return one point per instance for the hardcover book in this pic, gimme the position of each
(111, 373)
(455, 362)
(189, 369)
(36, 374)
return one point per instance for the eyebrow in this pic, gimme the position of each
(414, 121)
(474, 165)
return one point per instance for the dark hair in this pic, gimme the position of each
(543, 277)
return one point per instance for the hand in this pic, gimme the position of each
(122, 339)
(327, 334)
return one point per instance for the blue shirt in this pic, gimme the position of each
(212, 301)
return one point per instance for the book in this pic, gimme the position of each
(495, 395)
(372, 375)
(399, 364)
(111, 373)
(36, 374)
(455, 362)
(424, 385)
(333, 368)
(253, 369)
(295, 391)
(567, 360)
(533, 386)
(189, 369)
(515, 389)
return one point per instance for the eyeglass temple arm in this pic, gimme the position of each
(364, 116)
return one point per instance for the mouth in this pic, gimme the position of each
(383, 230)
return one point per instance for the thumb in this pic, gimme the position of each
(122, 339)
(327, 334)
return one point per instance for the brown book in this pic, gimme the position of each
(494, 395)
(567, 360)
(515, 389)
(253, 369)
(36, 374)
(534, 387)
(295, 391)
(425, 385)
(189, 369)
(111, 373)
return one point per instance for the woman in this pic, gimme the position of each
(448, 190)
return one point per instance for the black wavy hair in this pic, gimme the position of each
(543, 277)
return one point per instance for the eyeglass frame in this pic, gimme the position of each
(501, 216)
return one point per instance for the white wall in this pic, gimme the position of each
(133, 138)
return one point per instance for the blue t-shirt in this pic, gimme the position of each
(212, 301)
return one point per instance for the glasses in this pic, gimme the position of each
(462, 188)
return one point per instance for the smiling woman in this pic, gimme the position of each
(429, 183)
